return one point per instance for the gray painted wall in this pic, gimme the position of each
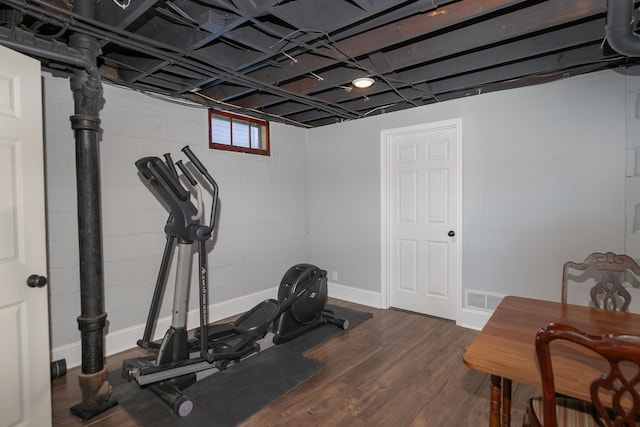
(261, 229)
(543, 182)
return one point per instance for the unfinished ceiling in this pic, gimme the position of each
(294, 60)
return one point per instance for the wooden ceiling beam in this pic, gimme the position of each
(375, 40)
(547, 68)
(390, 34)
(536, 18)
(566, 38)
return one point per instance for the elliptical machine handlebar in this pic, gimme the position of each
(185, 218)
(169, 162)
(194, 184)
(214, 186)
(186, 173)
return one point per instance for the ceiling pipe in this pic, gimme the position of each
(620, 27)
(24, 41)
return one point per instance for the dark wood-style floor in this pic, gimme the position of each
(396, 369)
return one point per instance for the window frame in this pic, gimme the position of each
(264, 126)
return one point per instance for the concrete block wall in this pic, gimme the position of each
(261, 227)
(632, 230)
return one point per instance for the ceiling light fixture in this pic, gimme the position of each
(362, 82)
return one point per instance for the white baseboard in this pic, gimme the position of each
(474, 319)
(358, 296)
(125, 339)
(470, 318)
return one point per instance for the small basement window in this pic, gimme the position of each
(232, 132)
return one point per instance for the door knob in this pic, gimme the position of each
(36, 281)
(451, 233)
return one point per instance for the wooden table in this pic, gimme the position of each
(505, 348)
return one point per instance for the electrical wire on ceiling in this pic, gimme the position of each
(164, 52)
(351, 61)
(168, 98)
(415, 87)
(253, 110)
(192, 104)
(334, 45)
(122, 4)
(331, 45)
(380, 107)
(63, 29)
(293, 60)
(183, 69)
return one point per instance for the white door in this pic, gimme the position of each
(423, 219)
(25, 386)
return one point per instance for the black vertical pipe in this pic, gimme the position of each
(87, 97)
(92, 318)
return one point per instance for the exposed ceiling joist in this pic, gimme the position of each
(294, 60)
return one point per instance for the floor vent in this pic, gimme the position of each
(481, 300)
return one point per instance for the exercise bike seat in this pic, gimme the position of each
(257, 321)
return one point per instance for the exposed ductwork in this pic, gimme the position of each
(620, 27)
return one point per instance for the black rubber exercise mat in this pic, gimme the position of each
(233, 395)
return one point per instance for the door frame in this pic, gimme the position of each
(385, 157)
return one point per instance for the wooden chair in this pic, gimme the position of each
(620, 384)
(609, 271)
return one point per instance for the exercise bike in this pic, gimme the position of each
(180, 360)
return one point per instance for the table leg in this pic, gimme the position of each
(506, 402)
(494, 414)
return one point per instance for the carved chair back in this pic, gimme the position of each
(615, 395)
(609, 271)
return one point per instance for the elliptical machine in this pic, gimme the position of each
(180, 360)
